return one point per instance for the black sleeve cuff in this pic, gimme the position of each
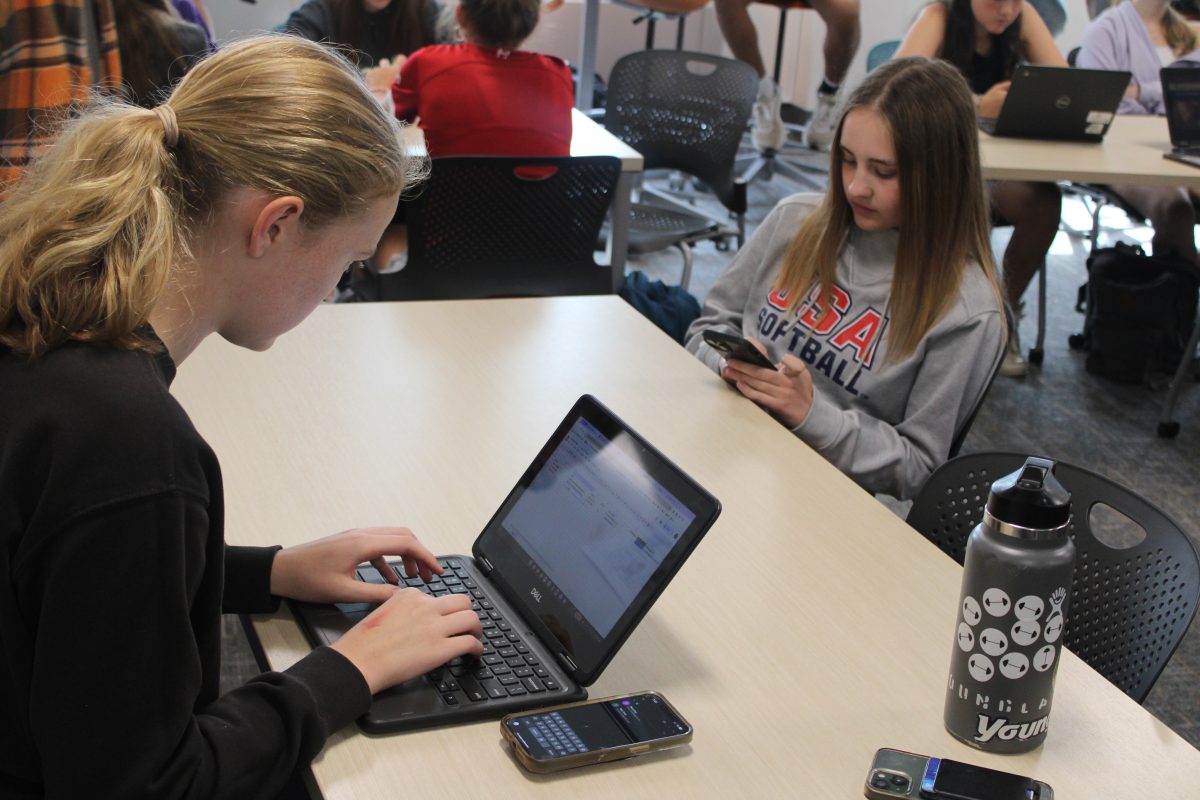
(248, 580)
(339, 690)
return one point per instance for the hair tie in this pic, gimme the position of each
(166, 115)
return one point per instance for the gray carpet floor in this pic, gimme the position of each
(1059, 410)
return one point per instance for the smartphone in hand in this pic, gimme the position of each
(608, 729)
(733, 346)
(897, 774)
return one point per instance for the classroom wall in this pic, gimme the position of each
(559, 33)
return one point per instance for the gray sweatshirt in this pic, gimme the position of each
(886, 425)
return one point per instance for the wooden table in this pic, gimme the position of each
(587, 139)
(1131, 153)
(809, 628)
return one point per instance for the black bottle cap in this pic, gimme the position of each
(1031, 497)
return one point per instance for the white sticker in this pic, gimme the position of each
(1099, 117)
(1094, 130)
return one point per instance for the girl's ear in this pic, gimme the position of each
(277, 223)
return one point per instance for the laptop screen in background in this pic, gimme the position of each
(1183, 105)
(596, 524)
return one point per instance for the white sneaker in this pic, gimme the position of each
(1014, 364)
(767, 121)
(819, 135)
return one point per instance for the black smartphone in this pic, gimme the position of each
(607, 729)
(733, 346)
(897, 774)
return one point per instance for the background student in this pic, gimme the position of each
(231, 209)
(1142, 37)
(986, 40)
(842, 32)
(157, 46)
(879, 300)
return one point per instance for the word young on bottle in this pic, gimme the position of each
(1000, 728)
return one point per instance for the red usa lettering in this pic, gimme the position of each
(999, 728)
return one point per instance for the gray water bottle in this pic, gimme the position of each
(1012, 613)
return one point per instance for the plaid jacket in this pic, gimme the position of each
(44, 71)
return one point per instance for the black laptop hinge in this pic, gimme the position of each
(568, 663)
(487, 565)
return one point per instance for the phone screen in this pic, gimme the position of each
(596, 726)
(953, 780)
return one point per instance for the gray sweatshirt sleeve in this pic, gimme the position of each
(756, 263)
(896, 459)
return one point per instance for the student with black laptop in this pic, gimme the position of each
(138, 234)
(987, 40)
(1142, 37)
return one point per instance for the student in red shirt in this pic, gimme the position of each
(484, 96)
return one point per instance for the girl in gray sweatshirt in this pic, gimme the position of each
(879, 301)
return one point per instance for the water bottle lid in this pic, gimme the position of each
(1031, 497)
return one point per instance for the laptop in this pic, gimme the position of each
(1181, 94)
(570, 563)
(1059, 103)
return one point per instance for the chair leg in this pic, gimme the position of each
(1037, 353)
(1168, 428)
(686, 251)
(1094, 236)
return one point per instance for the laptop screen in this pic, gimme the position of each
(593, 532)
(1181, 88)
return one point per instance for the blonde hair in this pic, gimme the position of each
(90, 234)
(944, 222)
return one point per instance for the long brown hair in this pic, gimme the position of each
(408, 23)
(150, 47)
(958, 43)
(91, 233)
(944, 223)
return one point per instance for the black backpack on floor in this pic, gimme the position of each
(1140, 312)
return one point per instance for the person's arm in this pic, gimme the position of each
(926, 35)
(1036, 40)
(404, 88)
(119, 673)
(1100, 49)
(726, 301)
(896, 459)
(312, 21)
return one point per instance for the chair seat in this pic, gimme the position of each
(653, 228)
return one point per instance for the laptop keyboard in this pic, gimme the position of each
(507, 667)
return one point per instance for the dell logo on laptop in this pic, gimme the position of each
(536, 594)
(1062, 102)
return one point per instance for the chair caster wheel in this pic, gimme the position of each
(1036, 355)
(1168, 430)
(722, 245)
(1075, 340)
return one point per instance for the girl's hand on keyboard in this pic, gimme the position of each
(409, 635)
(323, 571)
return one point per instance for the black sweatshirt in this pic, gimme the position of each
(113, 577)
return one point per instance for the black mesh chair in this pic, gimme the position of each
(1130, 607)
(682, 111)
(490, 227)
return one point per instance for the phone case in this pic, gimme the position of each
(732, 346)
(890, 766)
(600, 756)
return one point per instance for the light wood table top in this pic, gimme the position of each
(809, 628)
(1131, 153)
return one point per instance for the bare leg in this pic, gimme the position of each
(1170, 212)
(842, 33)
(733, 16)
(1034, 210)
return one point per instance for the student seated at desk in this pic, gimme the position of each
(986, 40)
(485, 96)
(879, 301)
(141, 232)
(158, 47)
(1142, 37)
(482, 97)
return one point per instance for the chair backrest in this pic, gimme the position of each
(961, 434)
(487, 226)
(684, 111)
(1130, 607)
(881, 53)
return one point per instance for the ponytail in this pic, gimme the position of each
(89, 236)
